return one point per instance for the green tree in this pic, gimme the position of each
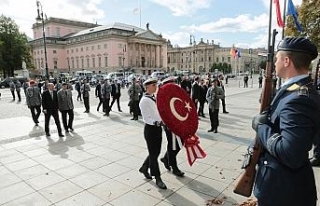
(14, 48)
(309, 17)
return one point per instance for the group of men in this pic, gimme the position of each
(52, 101)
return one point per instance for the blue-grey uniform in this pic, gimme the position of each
(285, 176)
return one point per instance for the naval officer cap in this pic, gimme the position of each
(169, 80)
(298, 44)
(150, 81)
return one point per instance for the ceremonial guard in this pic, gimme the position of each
(287, 130)
(85, 89)
(174, 144)
(50, 108)
(66, 107)
(134, 91)
(152, 132)
(33, 98)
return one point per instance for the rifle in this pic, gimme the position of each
(245, 184)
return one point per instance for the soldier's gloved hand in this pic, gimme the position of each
(259, 120)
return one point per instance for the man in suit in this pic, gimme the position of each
(223, 101)
(195, 91)
(85, 89)
(106, 93)
(66, 107)
(98, 94)
(287, 130)
(50, 108)
(116, 93)
(33, 98)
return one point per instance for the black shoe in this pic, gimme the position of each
(225, 112)
(48, 134)
(166, 163)
(36, 124)
(145, 172)
(66, 130)
(135, 118)
(120, 110)
(71, 129)
(160, 184)
(315, 162)
(132, 119)
(177, 172)
(215, 131)
(61, 135)
(106, 114)
(210, 130)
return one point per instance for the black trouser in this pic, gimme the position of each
(86, 103)
(13, 95)
(47, 116)
(171, 155)
(79, 95)
(201, 106)
(114, 98)
(195, 103)
(106, 106)
(153, 137)
(64, 118)
(135, 109)
(100, 103)
(223, 102)
(316, 149)
(35, 116)
(19, 96)
(214, 118)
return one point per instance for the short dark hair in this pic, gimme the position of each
(300, 60)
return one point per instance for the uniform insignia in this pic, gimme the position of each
(293, 87)
(303, 91)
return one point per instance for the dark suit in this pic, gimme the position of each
(50, 104)
(195, 93)
(99, 95)
(285, 176)
(186, 85)
(116, 93)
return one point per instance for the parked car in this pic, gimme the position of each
(6, 81)
(159, 75)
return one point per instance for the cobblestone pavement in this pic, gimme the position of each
(98, 163)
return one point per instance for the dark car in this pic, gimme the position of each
(6, 81)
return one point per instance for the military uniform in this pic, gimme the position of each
(285, 176)
(33, 97)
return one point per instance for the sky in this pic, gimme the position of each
(239, 23)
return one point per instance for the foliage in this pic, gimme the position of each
(13, 47)
(309, 17)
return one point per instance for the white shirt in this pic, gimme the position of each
(149, 110)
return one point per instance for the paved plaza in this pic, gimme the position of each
(98, 163)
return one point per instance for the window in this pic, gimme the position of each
(88, 62)
(92, 48)
(55, 64)
(77, 62)
(99, 61)
(71, 50)
(229, 59)
(98, 47)
(48, 31)
(106, 61)
(72, 62)
(54, 51)
(82, 63)
(222, 59)
(58, 32)
(93, 62)
(217, 59)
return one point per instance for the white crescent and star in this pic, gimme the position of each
(174, 111)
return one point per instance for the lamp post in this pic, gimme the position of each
(193, 43)
(40, 19)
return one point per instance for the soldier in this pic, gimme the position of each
(134, 91)
(106, 92)
(85, 89)
(12, 87)
(287, 130)
(174, 144)
(33, 98)
(65, 104)
(18, 90)
(152, 132)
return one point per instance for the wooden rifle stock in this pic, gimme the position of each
(245, 184)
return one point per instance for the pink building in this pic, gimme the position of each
(74, 46)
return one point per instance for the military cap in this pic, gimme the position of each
(298, 44)
(169, 79)
(150, 81)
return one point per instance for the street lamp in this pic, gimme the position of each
(40, 19)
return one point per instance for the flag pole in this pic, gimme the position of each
(283, 31)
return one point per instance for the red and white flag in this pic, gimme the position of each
(278, 12)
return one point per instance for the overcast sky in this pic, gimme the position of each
(228, 22)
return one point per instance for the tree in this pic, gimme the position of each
(309, 17)
(14, 48)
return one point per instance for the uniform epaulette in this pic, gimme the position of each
(302, 90)
(293, 87)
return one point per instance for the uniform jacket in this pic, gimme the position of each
(195, 91)
(134, 91)
(98, 91)
(213, 96)
(285, 176)
(85, 89)
(65, 101)
(33, 96)
(51, 105)
(18, 86)
(106, 91)
(12, 86)
(114, 91)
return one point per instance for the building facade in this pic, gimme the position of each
(74, 46)
(203, 56)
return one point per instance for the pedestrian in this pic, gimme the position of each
(65, 104)
(214, 94)
(260, 81)
(245, 81)
(134, 91)
(85, 89)
(106, 93)
(152, 132)
(33, 98)
(186, 84)
(202, 97)
(116, 93)
(287, 130)
(12, 87)
(25, 86)
(223, 101)
(99, 95)
(78, 88)
(50, 108)
(18, 90)
(174, 143)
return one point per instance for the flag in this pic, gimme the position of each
(292, 11)
(233, 52)
(238, 53)
(278, 12)
(136, 10)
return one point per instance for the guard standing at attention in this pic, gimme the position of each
(287, 130)
(152, 132)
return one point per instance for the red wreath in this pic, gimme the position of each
(179, 113)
